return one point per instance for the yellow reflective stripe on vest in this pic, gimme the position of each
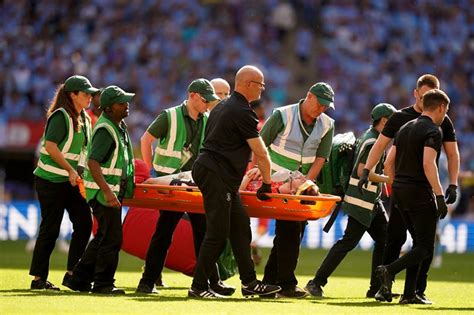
(114, 171)
(370, 187)
(166, 152)
(93, 185)
(163, 169)
(52, 169)
(172, 132)
(68, 143)
(359, 202)
(111, 130)
(67, 155)
(289, 124)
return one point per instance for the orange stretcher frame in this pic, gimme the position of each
(189, 199)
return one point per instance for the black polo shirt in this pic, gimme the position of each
(225, 149)
(401, 117)
(410, 142)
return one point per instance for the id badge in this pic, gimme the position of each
(186, 155)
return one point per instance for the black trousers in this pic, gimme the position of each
(352, 235)
(53, 199)
(225, 218)
(99, 261)
(418, 210)
(161, 241)
(396, 237)
(281, 265)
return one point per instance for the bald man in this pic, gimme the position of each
(222, 89)
(231, 137)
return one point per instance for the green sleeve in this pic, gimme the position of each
(102, 146)
(272, 127)
(56, 129)
(159, 127)
(324, 149)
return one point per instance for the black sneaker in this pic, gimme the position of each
(222, 289)
(416, 299)
(203, 294)
(108, 289)
(66, 279)
(385, 278)
(423, 297)
(40, 284)
(76, 284)
(293, 293)
(257, 287)
(314, 289)
(272, 296)
(146, 289)
(371, 293)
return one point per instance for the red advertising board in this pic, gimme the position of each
(21, 134)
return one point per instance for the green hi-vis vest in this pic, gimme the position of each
(289, 150)
(119, 165)
(168, 157)
(72, 148)
(357, 205)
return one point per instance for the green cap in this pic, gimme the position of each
(114, 95)
(324, 93)
(205, 88)
(382, 110)
(79, 83)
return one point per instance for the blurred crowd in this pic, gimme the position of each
(370, 51)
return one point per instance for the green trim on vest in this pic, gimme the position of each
(71, 147)
(357, 205)
(168, 151)
(119, 165)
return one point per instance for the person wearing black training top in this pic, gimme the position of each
(231, 135)
(417, 192)
(396, 228)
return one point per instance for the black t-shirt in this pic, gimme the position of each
(225, 149)
(410, 141)
(398, 119)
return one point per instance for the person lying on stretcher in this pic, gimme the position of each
(283, 182)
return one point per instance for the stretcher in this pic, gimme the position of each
(189, 199)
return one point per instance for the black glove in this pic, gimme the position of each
(261, 192)
(442, 208)
(363, 180)
(451, 194)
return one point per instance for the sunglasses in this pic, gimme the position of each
(262, 85)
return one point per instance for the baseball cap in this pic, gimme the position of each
(382, 110)
(114, 95)
(79, 83)
(324, 93)
(203, 87)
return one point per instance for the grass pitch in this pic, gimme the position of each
(451, 288)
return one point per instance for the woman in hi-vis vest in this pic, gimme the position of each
(63, 150)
